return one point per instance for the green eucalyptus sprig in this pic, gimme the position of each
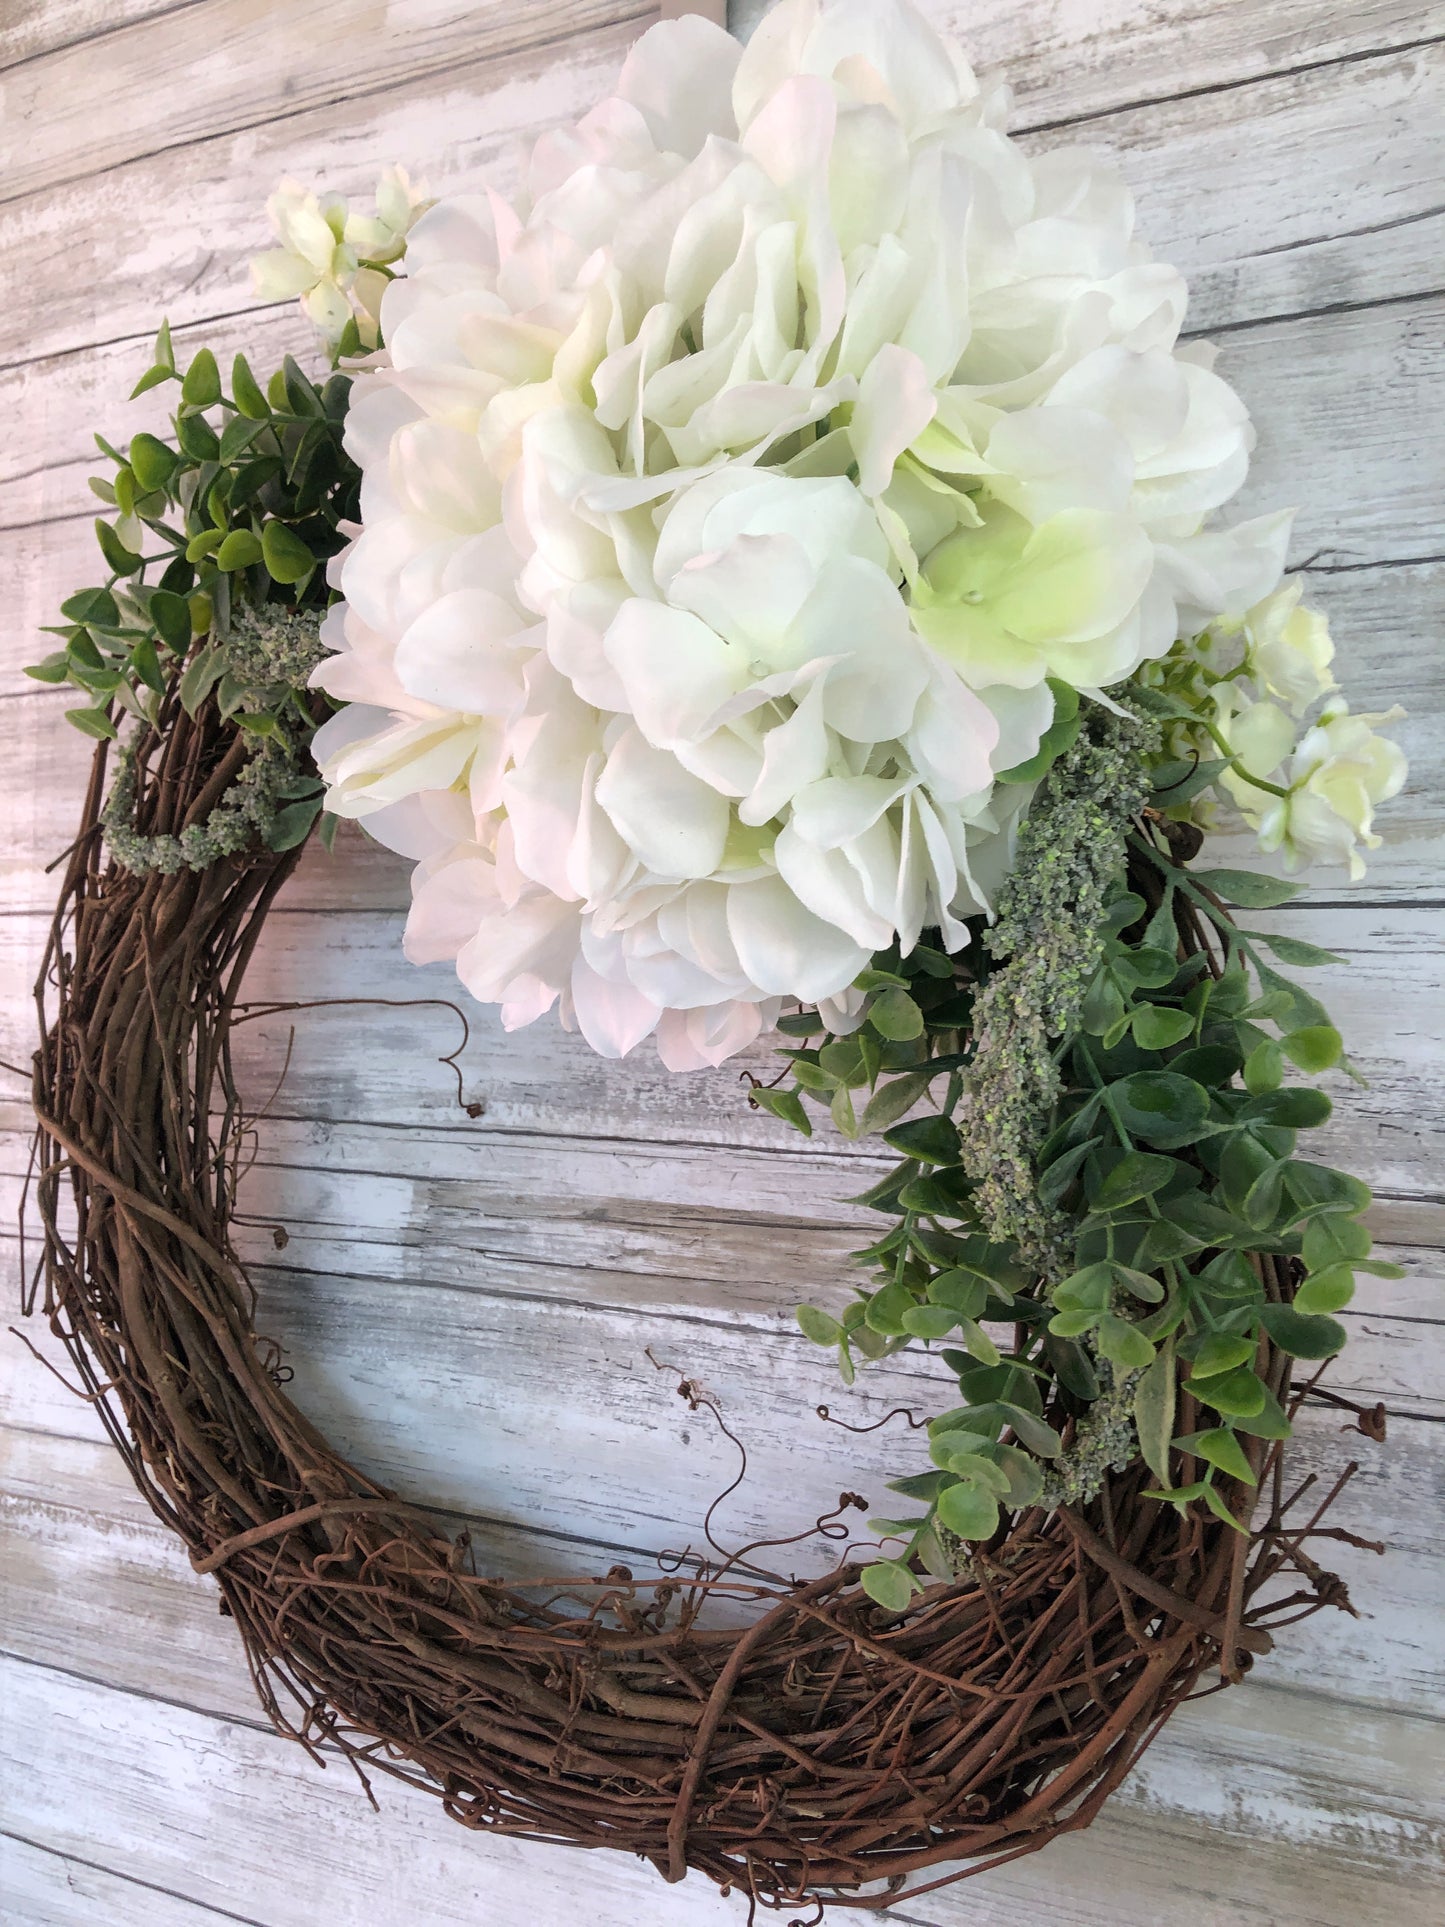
(1165, 1160)
(215, 579)
(241, 505)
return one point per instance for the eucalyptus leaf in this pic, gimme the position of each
(892, 1101)
(786, 1105)
(1246, 888)
(1303, 1336)
(1219, 1447)
(1138, 1175)
(967, 1510)
(929, 1322)
(1325, 1291)
(1318, 1047)
(1165, 1110)
(890, 1584)
(201, 387)
(1303, 956)
(933, 1140)
(817, 1325)
(1155, 1403)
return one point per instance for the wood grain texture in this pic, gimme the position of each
(1354, 226)
(524, 1263)
(379, 1065)
(30, 29)
(235, 60)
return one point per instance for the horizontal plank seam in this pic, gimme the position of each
(554, 1535)
(446, 67)
(100, 33)
(258, 1725)
(1352, 233)
(1358, 568)
(1206, 90)
(859, 1161)
(114, 1873)
(182, 331)
(1323, 313)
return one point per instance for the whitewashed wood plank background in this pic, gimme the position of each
(1287, 155)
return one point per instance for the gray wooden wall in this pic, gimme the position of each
(467, 1304)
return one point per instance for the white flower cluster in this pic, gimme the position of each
(1309, 789)
(735, 500)
(337, 262)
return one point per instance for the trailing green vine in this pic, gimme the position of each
(1082, 1237)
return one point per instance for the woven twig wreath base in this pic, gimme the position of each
(826, 1750)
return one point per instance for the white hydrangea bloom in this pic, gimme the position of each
(730, 499)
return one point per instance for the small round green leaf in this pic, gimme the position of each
(895, 1016)
(929, 1321)
(817, 1325)
(204, 544)
(1162, 1109)
(246, 392)
(1303, 1336)
(1325, 1291)
(239, 550)
(119, 556)
(1073, 1324)
(92, 722)
(94, 607)
(1237, 1394)
(1138, 1175)
(1157, 1027)
(152, 462)
(932, 1140)
(962, 1292)
(171, 615)
(786, 1105)
(197, 438)
(288, 560)
(969, 1511)
(887, 1308)
(890, 1584)
(1297, 1109)
(1318, 1047)
(1221, 1352)
(1264, 1068)
(202, 384)
(1124, 1344)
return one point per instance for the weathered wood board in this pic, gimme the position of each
(523, 1264)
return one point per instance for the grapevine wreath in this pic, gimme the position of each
(764, 575)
